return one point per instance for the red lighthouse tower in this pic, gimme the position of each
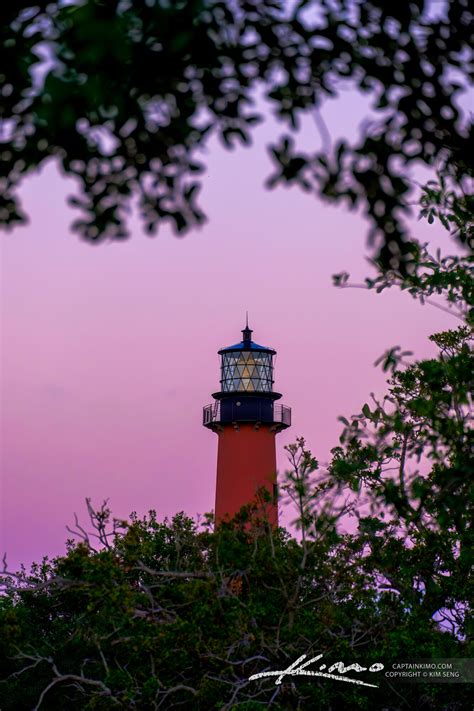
(246, 420)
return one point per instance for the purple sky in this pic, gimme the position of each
(109, 352)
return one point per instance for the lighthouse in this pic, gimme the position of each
(246, 419)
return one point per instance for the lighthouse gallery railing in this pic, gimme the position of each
(212, 413)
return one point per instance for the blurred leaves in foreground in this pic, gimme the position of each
(124, 96)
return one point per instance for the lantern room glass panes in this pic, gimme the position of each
(246, 371)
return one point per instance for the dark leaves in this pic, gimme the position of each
(176, 72)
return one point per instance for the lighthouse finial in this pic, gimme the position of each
(247, 332)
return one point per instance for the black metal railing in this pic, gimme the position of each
(284, 414)
(210, 413)
(281, 414)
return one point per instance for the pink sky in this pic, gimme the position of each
(109, 352)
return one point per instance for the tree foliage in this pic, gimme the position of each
(124, 95)
(410, 456)
(167, 615)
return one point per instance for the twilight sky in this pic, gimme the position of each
(109, 352)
